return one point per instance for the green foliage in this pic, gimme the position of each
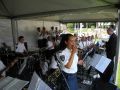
(86, 30)
(118, 75)
(70, 27)
(91, 25)
(70, 31)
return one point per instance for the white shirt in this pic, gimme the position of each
(50, 45)
(20, 48)
(85, 44)
(53, 33)
(81, 45)
(89, 43)
(57, 42)
(43, 36)
(66, 55)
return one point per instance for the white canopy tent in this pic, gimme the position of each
(60, 10)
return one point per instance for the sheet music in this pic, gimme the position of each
(10, 83)
(103, 63)
(100, 62)
(5, 81)
(38, 84)
(34, 82)
(43, 86)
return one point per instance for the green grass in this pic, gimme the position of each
(118, 75)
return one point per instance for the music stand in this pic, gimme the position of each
(9, 83)
(37, 83)
(100, 62)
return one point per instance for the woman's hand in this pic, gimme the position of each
(74, 49)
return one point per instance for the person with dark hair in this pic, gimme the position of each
(43, 38)
(110, 52)
(38, 29)
(52, 32)
(113, 27)
(20, 46)
(111, 44)
(69, 60)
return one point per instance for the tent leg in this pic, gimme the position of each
(118, 51)
(14, 32)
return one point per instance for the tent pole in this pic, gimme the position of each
(118, 49)
(14, 32)
(43, 23)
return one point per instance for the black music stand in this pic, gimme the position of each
(86, 65)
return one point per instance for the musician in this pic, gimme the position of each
(4, 69)
(50, 43)
(52, 32)
(20, 46)
(44, 35)
(110, 52)
(21, 52)
(69, 60)
(39, 31)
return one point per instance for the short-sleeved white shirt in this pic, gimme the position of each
(20, 48)
(81, 45)
(50, 45)
(65, 55)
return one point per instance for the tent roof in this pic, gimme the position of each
(60, 10)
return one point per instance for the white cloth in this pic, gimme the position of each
(66, 55)
(20, 48)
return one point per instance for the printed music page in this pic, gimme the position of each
(38, 84)
(100, 62)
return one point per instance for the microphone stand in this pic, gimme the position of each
(57, 58)
(87, 54)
